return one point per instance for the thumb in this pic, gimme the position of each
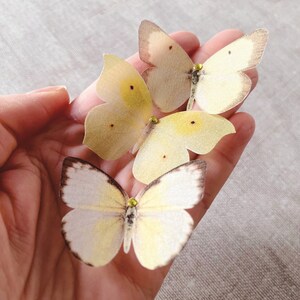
(22, 115)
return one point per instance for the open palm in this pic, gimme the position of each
(37, 131)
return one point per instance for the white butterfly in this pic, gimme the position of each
(104, 217)
(217, 85)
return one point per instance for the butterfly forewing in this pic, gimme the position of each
(157, 48)
(121, 85)
(180, 188)
(163, 226)
(94, 229)
(169, 77)
(242, 54)
(85, 186)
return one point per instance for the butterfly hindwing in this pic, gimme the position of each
(216, 94)
(94, 228)
(168, 87)
(112, 130)
(156, 47)
(160, 237)
(93, 236)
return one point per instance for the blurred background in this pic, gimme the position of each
(247, 246)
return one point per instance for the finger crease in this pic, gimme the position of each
(227, 158)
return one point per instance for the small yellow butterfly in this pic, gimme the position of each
(217, 85)
(104, 216)
(126, 122)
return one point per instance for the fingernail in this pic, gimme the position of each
(48, 89)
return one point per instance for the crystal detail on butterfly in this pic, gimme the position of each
(153, 120)
(132, 202)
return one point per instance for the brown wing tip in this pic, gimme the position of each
(71, 161)
(67, 162)
(263, 34)
(145, 30)
(146, 25)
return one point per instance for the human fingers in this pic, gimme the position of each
(88, 98)
(22, 115)
(222, 160)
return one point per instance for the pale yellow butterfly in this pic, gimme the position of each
(104, 217)
(217, 85)
(126, 122)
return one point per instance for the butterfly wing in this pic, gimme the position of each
(163, 226)
(216, 94)
(222, 84)
(242, 54)
(94, 228)
(168, 79)
(167, 144)
(111, 129)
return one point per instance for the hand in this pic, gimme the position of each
(37, 131)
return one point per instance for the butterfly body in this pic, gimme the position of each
(146, 132)
(129, 224)
(155, 221)
(195, 77)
